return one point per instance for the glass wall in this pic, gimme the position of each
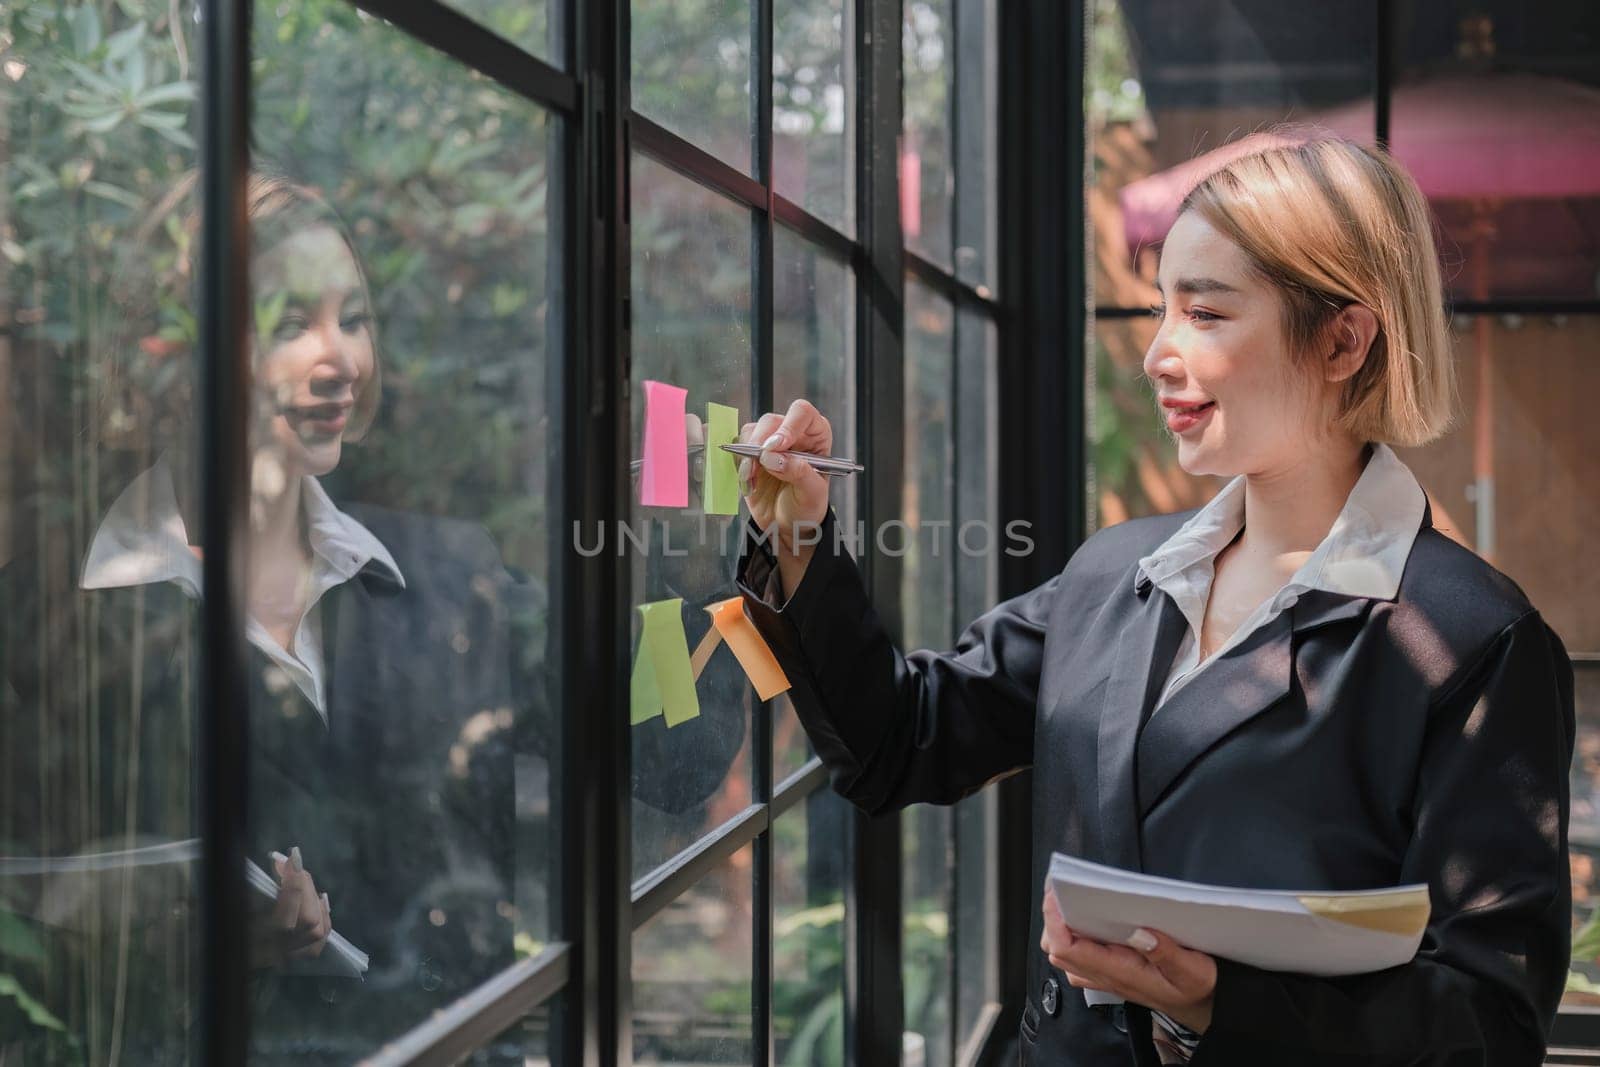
(435, 342)
(1482, 108)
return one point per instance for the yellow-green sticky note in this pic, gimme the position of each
(644, 696)
(722, 472)
(669, 655)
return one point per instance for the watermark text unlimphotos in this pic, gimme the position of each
(695, 535)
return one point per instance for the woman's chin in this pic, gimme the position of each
(316, 460)
(1197, 459)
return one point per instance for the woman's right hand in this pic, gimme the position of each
(786, 496)
(298, 925)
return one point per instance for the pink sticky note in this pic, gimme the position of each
(664, 477)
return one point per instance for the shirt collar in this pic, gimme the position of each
(143, 541)
(1363, 554)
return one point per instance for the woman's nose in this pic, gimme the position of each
(336, 363)
(1161, 359)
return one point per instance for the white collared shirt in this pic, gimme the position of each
(142, 541)
(1363, 555)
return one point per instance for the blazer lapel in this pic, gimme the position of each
(1238, 686)
(352, 633)
(1145, 649)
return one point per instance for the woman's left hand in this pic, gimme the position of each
(1158, 972)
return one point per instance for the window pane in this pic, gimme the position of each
(813, 341)
(401, 713)
(926, 176)
(98, 650)
(978, 539)
(928, 601)
(927, 946)
(692, 974)
(977, 535)
(1169, 82)
(813, 108)
(977, 974)
(691, 72)
(928, 505)
(1487, 117)
(977, 132)
(808, 870)
(527, 23)
(692, 329)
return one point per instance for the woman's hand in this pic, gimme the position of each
(300, 921)
(1157, 972)
(785, 494)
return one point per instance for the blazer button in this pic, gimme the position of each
(1050, 995)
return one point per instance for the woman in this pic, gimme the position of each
(1301, 685)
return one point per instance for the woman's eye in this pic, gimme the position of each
(1159, 311)
(355, 323)
(289, 327)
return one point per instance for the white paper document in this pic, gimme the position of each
(1311, 932)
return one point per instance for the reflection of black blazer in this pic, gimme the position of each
(402, 804)
(1351, 743)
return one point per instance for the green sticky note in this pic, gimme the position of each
(669, 655)
(722, 471)
(644, 696)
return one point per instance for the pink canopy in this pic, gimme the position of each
(1481, 137)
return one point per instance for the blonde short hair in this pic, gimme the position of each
(1329, 223)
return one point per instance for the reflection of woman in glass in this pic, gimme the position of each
(390, 656)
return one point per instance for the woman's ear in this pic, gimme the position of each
(1350, 337)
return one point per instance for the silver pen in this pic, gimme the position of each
(833, 466)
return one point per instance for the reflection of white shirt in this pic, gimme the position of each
(1363, 555)
(142, 541)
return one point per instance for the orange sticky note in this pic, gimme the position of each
(664, 475)
(748, 647)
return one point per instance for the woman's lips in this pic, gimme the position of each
(1182, 420)
(320, 420)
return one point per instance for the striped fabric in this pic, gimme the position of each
(1175, 1042)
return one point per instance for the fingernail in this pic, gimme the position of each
(774, 441)
(326, 905)
(773, 461)
(294, 858)
(279, 857)
(1143, 940)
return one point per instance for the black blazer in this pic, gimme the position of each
(1349, 744)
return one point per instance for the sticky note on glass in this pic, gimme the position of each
(644, 696)
(664, 473)
(748, 647)
(722, 473)
(669, 668)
